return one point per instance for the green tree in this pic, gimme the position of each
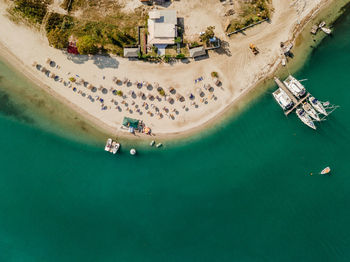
(58, 38)
(209, 33)
(86, 45)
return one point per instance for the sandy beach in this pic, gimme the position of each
(98, 78)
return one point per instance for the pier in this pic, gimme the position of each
(296, 102)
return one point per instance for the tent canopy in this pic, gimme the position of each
(130, 122)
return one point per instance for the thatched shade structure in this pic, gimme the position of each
(90, 86)
(43, 69)
(52, 75)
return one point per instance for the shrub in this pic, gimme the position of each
(214, 74)
(86, 45)
(33, 10)
(180, 56)
(58, 38)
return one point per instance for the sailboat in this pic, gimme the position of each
(317, 105)
(311, 111)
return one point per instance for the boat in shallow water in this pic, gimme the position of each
(305, 118)
(311, 111)
(317, 105)
(108, 144)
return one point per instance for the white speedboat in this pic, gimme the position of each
(317, 105)
(108, 144)
(297, 89)
(115, 147)
(311, 111)
(326, 30)
(283, 99)
(305, 118)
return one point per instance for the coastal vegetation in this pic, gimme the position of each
(109, 32)
(250, 12)
(33, 11)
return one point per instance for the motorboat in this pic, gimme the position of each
(305, 118)
(325, 171)
(297, 88)
(159, 145)
(317, 105)
(152, 143)
(311, 111)
(114, 148)
(108, 144)
(283, 99)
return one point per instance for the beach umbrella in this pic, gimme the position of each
(48, 61)
(104, 90)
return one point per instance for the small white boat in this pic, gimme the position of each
(108, 144)
(326, 30)
(283, 99)
(114, 148)
(317, 105)
(159, 145)
(297, 88)
(311, 111)
(325, 171)
(322, 24)
(283, 62)
(132, 151)
(152, 143)
(305, 118)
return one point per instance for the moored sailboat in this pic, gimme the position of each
(305, 118)
(317, 105)
(311, 111)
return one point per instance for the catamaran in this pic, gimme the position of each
(108, 144)
(317, 105)
(297, 89)
(305, 118)
(311, 111)
(283, 99)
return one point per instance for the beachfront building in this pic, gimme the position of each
(197, 52)
(131, 52)
(162, 29)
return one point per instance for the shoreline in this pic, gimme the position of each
(233, 107)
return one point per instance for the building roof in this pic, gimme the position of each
(197, 51)
(162, 27)
(131, 51)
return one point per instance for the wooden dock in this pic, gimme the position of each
(291, 96)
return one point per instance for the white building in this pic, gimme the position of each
(162, 28)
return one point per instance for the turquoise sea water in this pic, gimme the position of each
(243, 193)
